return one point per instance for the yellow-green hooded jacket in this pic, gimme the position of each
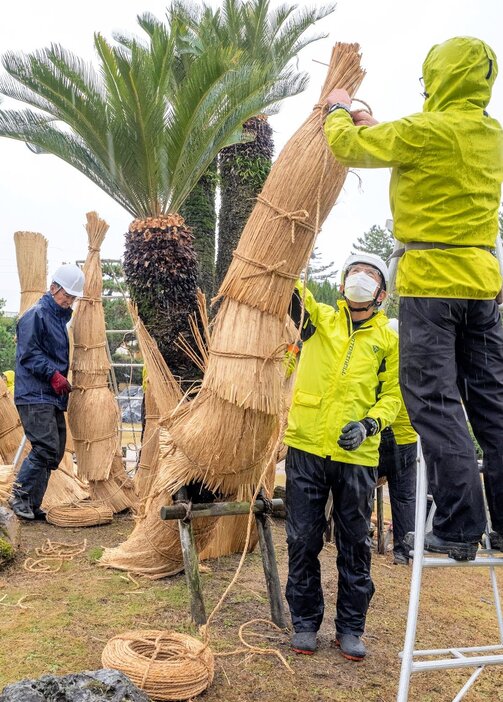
(343, 376)
(447, 171)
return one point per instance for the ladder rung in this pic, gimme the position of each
(480, 561)
(446, 663)
(127, 365)
(120, 331)
(461, 650)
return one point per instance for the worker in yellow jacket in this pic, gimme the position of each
(346, 391)
(445, 190)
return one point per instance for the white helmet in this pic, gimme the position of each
(372, 260)
(71, 279)
(393, 322)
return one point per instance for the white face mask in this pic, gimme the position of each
(360, 287)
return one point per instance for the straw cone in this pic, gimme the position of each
(93, 412)
(64, 487)
(11, 430)
(31, 257)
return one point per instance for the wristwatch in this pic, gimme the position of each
(339, 106)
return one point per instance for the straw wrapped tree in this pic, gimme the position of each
(226, 437)
(144, 127)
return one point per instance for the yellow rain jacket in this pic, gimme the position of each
(447, 171)
(9, 376)
(343, 376)
(403, 430)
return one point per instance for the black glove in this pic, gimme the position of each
(355, 433)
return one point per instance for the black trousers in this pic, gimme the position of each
(451, 355)
(309, 480)
(44, 425)
(398, 463)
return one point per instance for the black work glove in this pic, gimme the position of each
(355, 433)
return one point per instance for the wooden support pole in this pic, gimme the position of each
(191, 563)
(380, 519)
(270, 570)
(220, 509)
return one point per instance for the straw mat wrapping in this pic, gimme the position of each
(31, 257)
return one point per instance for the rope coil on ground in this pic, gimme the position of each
(80, 514)
(166, 665)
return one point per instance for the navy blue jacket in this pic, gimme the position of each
(42, 349)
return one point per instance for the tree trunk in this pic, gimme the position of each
(160, 266)
(243, 171)
(199, 210)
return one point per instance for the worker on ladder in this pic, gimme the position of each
(346, 392)
(445, 193)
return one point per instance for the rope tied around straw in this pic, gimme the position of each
(88, 347)
(295, 217)
(91, 300)
(83, 388)
(273, 268)
(88, 442)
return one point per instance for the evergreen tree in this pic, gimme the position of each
(377, 241)
(7, 340)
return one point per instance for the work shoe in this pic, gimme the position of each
(39, 514)
(459, 550)
(496, 540)
(400, 559)
(21, 507)
(352, 647)
(304, 642)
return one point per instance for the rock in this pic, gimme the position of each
(9, 535)
(90, 686)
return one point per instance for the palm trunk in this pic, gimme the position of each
(199, 210)
(160, 266)
(243, 170)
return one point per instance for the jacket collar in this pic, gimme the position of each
(47, 302)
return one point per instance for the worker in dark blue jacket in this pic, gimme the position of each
(41, 391)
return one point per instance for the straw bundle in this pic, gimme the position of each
(246, 366)
(11, 430)
(94, 418)
(149, 456)
(153, 548)
(229, 536)
(6, 481)
(165, 664)
(64, 486)
(31, 257)
(165, 389)
(224, 452)
(93, 413)
(117, 492)
(81, 514)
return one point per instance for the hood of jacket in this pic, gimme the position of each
(459, 73)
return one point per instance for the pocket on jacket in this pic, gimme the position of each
(304, 420)
(307, 400)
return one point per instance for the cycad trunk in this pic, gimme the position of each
(199, 209)
(243, 172)
(160, 266)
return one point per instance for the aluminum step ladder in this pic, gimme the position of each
(454, 656)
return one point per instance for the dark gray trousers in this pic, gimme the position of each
(44, 426)
(309, 480)
(451, 352)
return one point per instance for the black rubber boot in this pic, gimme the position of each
(21, 507)
(352, 647)
(459, 550)
(39, 514)
(496, 540)
(304, 642)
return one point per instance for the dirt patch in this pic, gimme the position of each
(74, 612)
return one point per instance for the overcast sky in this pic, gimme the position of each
(43, 194)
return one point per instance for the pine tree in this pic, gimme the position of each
(377, 241)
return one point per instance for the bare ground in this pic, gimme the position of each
(74, 612)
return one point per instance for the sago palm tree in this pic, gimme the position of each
(273, 37)
(145, 126)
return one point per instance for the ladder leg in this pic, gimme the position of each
(415, 585)
(380, 519)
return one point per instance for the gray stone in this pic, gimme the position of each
(9, 535)
(90, 686)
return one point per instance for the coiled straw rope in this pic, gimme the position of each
(80, 514)
(167, 665)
